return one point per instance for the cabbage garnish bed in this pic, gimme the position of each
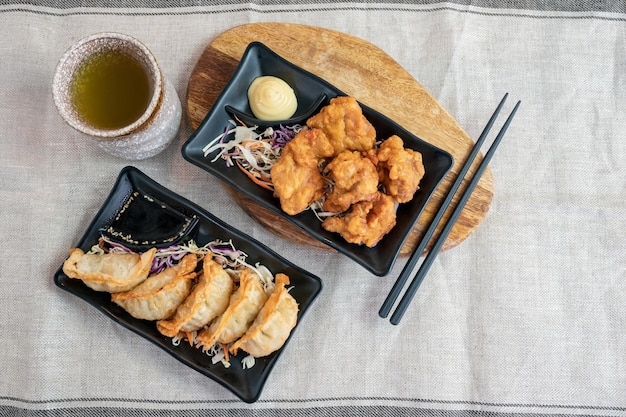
(224, 253)
(253, 151)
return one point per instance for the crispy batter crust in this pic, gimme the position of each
(296, 176)
(344, 124)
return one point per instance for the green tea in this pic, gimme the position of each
(110, 90)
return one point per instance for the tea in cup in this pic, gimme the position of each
(110, 87)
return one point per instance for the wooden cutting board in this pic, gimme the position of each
(364, 71)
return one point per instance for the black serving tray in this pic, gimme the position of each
(172, 219)
(258, 60)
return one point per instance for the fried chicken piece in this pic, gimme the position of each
(366, 223)
(344, 124)
(355, 179)
(371, 155)
(296, 176)
(400, 169)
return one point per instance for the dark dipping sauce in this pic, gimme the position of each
(144, 220)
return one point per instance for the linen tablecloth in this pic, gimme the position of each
(525, 317)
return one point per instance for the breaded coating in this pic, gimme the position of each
(296, 176)
(400, 169)
(344, 124)
(366, 223)
(355, 179)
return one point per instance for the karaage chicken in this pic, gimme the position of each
(361, 182)
(366, 223)
(296, 175)
(344, 124)
(400, 169)
(354, 179)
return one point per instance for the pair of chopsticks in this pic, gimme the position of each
(412, 261)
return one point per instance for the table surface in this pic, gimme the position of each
(526, 316)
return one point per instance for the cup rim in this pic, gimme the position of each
(65, 70)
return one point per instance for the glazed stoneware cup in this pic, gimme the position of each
(148, 135)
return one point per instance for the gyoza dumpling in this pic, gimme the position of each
(244, 305)
(110, 272)
(208, 299)
(159, 295)
(272, 326)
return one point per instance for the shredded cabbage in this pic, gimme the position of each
(224, 253)
(217, 355)
(248, 362)
(255, 151)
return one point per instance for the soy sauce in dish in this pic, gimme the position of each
(144, 220)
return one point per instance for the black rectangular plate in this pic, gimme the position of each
(247, 384)
(258, 60)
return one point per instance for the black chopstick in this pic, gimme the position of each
(417, 252)
(421, 273)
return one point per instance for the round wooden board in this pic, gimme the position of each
(364, 71)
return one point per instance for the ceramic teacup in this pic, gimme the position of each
(152, 131)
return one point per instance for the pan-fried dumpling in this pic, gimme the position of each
(110, 272)
(208, 299)
(272, 326)
(159, 295)
(244, 305)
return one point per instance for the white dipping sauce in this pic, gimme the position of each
(271, 99)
